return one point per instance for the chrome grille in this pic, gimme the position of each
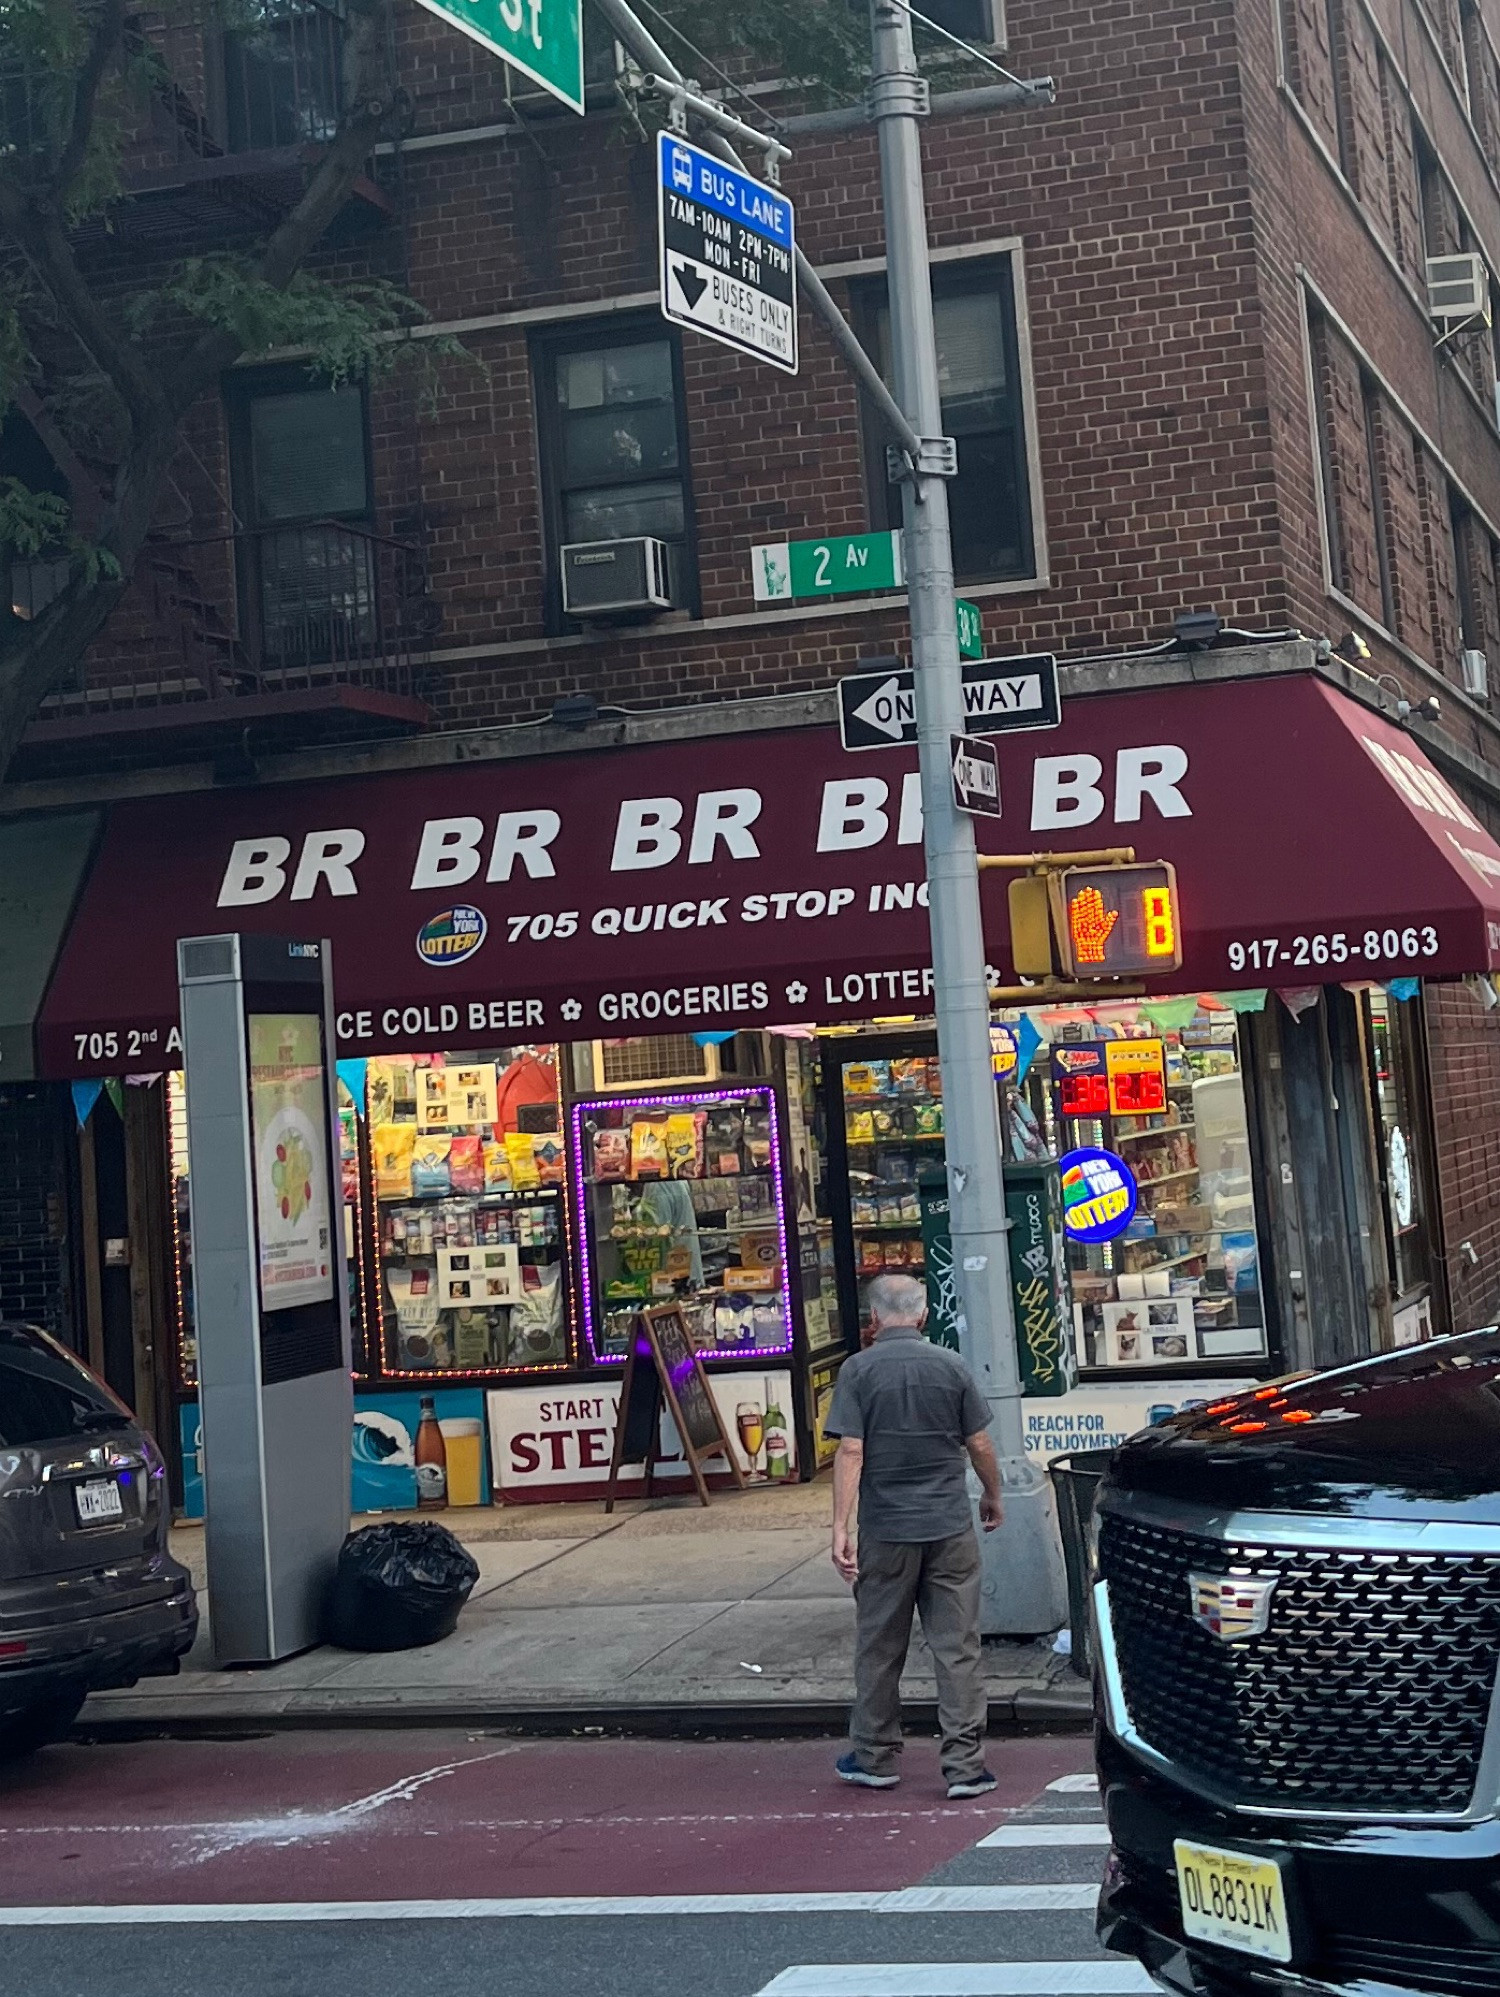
(1369, 1692)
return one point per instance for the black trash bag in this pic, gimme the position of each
(398, 1586)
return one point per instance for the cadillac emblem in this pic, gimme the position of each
(1231, 1607)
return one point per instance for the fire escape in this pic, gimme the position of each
(304, 630)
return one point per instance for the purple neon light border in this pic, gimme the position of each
(778, 1185)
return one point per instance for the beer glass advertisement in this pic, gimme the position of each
(289, 1132)
(394, 1436)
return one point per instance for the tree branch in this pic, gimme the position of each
(37, 228)
(108, 30)
(321, 201)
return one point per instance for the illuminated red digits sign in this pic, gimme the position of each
(1119, 922)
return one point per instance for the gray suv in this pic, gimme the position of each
(89, 1596)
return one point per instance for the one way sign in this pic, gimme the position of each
(879, 710)
(976, 775)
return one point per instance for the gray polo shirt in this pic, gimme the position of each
(911, 1403)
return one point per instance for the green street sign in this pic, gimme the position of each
(970, 630)
(541, 38)
(841, 565)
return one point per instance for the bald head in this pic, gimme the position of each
(895, 1300)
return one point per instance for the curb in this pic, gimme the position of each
(1043, 1710)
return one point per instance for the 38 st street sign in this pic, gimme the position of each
(541, 38)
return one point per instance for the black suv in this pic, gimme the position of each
(1297, 1604)
(89, 1595)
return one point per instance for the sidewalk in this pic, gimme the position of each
(663, 1618)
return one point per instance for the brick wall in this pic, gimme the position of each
(1464, 1051)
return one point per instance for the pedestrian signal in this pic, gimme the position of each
(1118, 922)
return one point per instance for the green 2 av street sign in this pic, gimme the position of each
(541, 38)
(846, 565)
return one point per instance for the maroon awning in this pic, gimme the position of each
(750, 880)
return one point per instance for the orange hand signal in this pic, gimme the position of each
(1091, 925)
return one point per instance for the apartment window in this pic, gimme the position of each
(283, 71)
(305, 559)
(979, 370)
(980, 21)
(614, 452)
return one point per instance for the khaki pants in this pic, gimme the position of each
(939, 1579)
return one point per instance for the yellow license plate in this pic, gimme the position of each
(1232, 1900)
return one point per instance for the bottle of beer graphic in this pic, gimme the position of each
(778, 1452)
(432, 1460)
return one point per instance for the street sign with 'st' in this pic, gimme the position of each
(541, 38)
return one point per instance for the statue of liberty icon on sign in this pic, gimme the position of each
(772, 572)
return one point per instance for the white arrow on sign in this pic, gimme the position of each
(890, 709)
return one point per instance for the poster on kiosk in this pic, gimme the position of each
(272, 1287)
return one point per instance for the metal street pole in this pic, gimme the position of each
(1024, 1583)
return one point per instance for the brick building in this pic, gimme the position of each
(1190, 360)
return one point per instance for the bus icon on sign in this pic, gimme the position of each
(682, 169)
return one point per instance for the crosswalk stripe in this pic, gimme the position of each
(1037, 1899)
(961, 1979)
(1021, 1837)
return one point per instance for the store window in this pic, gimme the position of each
(470, 1239)
(1398, 1082)
(614, 450)
(454, 1214)
(979, 368)
(680, 1199)
(1161, 1239)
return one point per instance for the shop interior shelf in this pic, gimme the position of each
(1162, 1130)
(886, 1226)
(916, 1137)
(1166, 1178)
(1168, 1262)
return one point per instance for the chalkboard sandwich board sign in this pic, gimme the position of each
(664, 1366)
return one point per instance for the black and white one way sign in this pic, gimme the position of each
(728, 260)
(1001, 696)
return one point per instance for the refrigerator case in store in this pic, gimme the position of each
(469, 1217)
(680, 1199)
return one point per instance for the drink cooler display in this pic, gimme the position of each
(680, 1199)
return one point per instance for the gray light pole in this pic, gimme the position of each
(1024, 1583)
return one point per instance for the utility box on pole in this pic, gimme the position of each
(270, 1285)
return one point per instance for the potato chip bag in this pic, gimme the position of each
(431, 1176)
(685, 1144)
(520, 1149)
(466, 1165)
(496, 1167)
(648, 1147)
(392, 1145)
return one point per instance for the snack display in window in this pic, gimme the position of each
(1179, 1283)
(466, 1158)
(680, 1199)
(893, 1132)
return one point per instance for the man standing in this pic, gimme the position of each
(907, 1414)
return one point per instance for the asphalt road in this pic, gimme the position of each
(337, 1864)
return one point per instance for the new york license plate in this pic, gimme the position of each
(1233, 1900)
(98, 1501)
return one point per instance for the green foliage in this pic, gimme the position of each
(346, 331)
(31, 523)
(823, 44)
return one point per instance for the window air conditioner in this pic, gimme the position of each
(607, 578)
(1476, 674)
(1458, 288)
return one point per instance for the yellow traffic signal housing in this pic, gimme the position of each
(1031, 927)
